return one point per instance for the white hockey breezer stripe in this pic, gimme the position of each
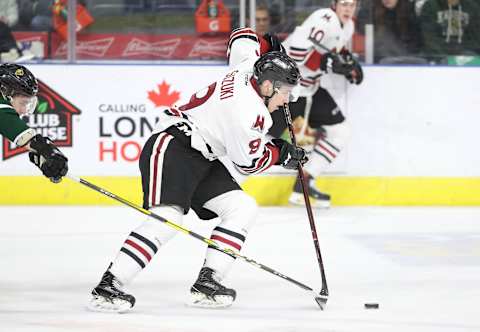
(156, 167)
(152, 168)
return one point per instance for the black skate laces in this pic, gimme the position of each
(209, 277)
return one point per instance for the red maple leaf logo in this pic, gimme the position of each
(163, 97)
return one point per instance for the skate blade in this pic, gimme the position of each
(199, 300)
(101, 304)
(297, 199)
(23, 58)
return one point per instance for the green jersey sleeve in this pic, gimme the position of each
(12, 126)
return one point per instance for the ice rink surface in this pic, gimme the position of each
(422, 265)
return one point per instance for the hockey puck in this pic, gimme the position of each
(371, 305)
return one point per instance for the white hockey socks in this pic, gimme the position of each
(327, 148)
(237, 211)
(143, 243)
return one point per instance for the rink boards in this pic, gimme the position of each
(413, 134)
(268, 190)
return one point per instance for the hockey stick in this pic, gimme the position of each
(338, 56)
(324, 291)
(323, 47)
(320, 301)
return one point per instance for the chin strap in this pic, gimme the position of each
(266, 99)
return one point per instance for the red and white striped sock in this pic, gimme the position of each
(143, 243)
(228, 239)
(137, 251)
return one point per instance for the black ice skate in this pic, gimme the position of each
(108, 296)
(317, 198)
(207, 292)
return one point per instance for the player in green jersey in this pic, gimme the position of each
(18, 97)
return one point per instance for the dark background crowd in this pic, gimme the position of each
(404, 31)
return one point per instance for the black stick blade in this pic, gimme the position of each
(321, 301)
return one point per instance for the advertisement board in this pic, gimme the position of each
(413, 130)
(102, 115)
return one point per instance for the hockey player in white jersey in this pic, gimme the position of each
(319, 48)
(180, 170)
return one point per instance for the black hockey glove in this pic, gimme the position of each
(334, 63)
(47, 157)
(290, 156)
(275, 43)
(356, 75)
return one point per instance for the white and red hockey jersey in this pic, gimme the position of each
(324, 26)
(229, 117)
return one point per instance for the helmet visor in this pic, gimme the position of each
(24, 105)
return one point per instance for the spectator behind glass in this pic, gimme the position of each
(42, 14)
(25, 14)
(42, 19)
(282, 16)
(396, 30)
(450, 27)
(9, 12)
(9, 50)
(262, 19)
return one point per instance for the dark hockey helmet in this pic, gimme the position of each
(17, 79)
(276, 67)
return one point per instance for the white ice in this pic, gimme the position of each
(422, 265)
